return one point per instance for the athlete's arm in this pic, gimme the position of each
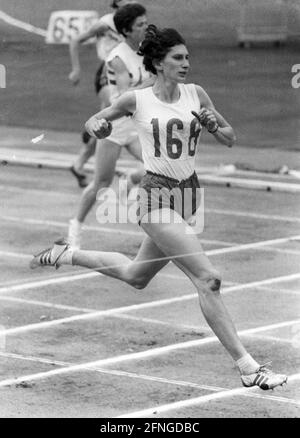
(98, 29)
(98, 124)
(147, 83)
(123, 79)
(221, 129)
(121, 74)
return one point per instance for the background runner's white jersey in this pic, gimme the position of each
(133, 63)
(168, 132)
(107, 42)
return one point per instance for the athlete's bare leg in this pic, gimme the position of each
(169, 238)
(106, 157)
(86, 152)
(172, 239)
(137, 272)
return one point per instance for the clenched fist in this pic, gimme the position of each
(99, 128)
(207, 118)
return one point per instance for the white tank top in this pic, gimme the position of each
(168, 132)
(107, 42)
(133, 63)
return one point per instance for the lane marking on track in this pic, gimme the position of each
(280, 290)
(134, 307)
(97, 229)
(16, 255)
(137, 356)
(248, 214)
(43, 276)
(47, 304)
(215, 179)
(196, 401)
(66, 225)
(42, 283)
(254, 245)
(197, 328)
(219, 211)
(125, 316)
(295, 343)
(149, 378)
(22, 25)
(282, 251)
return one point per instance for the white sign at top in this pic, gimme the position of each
(65, 25)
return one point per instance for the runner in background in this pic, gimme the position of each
(107, 38)
(125, 70)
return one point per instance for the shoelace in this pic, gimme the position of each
(263, 368)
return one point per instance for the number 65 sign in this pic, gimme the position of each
(65, 25)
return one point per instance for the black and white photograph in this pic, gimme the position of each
(149, 212)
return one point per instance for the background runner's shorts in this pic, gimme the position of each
(123, 132)
(158, 191)
(101, 77)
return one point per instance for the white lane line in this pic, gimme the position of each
(16, 255)
(47, 304)
(252, 215)
(137, 356)
(148, 378)
(254, 245)
(38, 192)
(282, 251)
(118, 315)
(97, 229)
(196, 328)
(219, 211)
(294, 343)
(42, 276)
(125, 309)
(42, 283)
(57, 224)
(280, 290)
(141, 233)
(43, 360)
(22, 25)
(195, 401)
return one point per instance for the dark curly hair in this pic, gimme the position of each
(114, 4)
(126, 15)
(157, 44)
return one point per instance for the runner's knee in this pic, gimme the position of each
(102, 182)
(136, 280)
(210, 282)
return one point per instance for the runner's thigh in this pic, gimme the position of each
(107, 154)
(146, 263)
(170, 233)
(134, 147)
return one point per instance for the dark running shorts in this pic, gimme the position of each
(101, 77)
(158, 191)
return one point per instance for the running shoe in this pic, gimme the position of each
(74, 234)
(264, 378)
(50, 256)
(81, 178)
